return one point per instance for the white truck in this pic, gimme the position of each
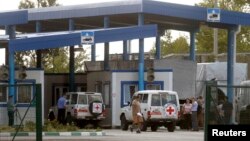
(158, 108)
(85, 107)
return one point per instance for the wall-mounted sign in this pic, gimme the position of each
(87, 37)
(213, 15)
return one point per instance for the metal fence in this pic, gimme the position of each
(27, 111)
(219, 110)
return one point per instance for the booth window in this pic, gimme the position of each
(24, 94)
(106, 94)
(128, 91)
(98, 87)
(3, 94)
(153, 86)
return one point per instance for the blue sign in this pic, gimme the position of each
(87, 37)
(213, 14)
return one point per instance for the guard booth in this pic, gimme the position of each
(215, 113)
(120, 83)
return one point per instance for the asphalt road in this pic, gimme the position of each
(118, 135)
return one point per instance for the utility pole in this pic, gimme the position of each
(215, 37)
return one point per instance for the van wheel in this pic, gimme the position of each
(171, 127)
(124, 123)
(144, 126)
(154, 128)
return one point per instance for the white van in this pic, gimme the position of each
(158, 107)
(85, 107)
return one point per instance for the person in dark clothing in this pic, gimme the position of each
(11, 110)
(51, 115)
(227, 107)
(61, 105)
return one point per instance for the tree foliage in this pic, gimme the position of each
(205, 36)
(170, 46)
(53, 60)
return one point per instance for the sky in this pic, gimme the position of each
(8, 5)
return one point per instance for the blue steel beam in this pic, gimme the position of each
(71, 60)
(12, 35)
(59, 39)
(106, 24)
(38, 52)
(230, 62)
(14, 17)
(141, 54)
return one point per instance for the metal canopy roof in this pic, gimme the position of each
(14, 17)
(37, 41)
(125, 13)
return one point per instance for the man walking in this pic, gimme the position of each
(136, 113)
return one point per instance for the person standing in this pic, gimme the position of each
(227, 108)
(11, 110)
(194, 115)
(200, 111)
(136, 114)
(61, 105)
(187, 114)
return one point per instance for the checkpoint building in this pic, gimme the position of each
(54, 27)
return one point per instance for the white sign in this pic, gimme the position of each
(213, 14)
(97, 108)
(170, 110)
(87, 37)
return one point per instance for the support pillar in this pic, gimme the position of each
(38, 52)
(125, 50)
(231, 61)
(192, 45)
(11, 30)
(106, 45)
(71, 61)
(93, 53)
(141, 54)
(158, 46)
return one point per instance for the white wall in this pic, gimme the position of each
(117, 77)
(37, 75)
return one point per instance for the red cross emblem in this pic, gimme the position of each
(170, 110)
(97, 107)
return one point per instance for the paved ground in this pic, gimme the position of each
(118, 135)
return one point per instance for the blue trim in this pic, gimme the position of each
(156, 70)
(14, 17)
(156, 82)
